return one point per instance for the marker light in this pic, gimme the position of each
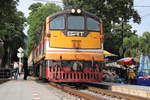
(78, 11)
(72, 10)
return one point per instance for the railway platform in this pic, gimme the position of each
(27, 90)
(137, 90)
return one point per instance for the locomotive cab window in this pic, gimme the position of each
(93, 24)
(76, 22)
(58, 23)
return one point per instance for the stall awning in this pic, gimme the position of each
(126, 61)
(106, 53)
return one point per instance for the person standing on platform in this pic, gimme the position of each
(131, 76)
(25, 67)
(16, 70)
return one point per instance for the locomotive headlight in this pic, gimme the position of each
(73, 11)
(78, 11)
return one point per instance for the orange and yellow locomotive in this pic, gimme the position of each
(70, 49)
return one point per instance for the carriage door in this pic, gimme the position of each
(44, 69)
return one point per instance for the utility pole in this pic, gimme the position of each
(122, 31)
(122, 35)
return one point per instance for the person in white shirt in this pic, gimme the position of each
(16, 68)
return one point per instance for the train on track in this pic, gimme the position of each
(70, 48)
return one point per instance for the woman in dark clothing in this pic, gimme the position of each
(25, 67)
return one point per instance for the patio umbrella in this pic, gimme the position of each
(125, 61)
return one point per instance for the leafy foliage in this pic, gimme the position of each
(11, 30)
(35, 20)
(7, 9)
(144, 44)
(135, 45)
(108, 10)
(115, 39)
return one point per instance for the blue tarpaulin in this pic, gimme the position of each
(144, 71)
(144, 66)
(142, 81)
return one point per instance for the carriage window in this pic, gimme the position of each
(92, 24)
(58, 23)
(76, 22)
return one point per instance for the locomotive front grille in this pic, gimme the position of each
(60, 76)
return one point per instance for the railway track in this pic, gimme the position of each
(93, 93)
(75, 93)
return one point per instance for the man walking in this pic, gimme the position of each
(25, 67)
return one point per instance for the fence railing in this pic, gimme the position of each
(5, 73)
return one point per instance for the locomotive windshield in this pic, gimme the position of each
(58, 23)
(92, 24)
(69, 21)
(76, 22)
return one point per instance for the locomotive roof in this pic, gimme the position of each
(68, 11)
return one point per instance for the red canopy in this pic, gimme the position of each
(125, 61)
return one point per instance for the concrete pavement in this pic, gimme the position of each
(27, 90)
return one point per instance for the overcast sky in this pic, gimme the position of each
(143, 11)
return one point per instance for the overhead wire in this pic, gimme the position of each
(52, 1)
(145, 15)
(55, 1)
(141, 6)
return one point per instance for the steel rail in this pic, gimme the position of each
(116, 94)
(76, 93)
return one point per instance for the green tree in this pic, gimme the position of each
(11, 29)
(110, 11)
(34, 7)
(115, 38)
(35, 20)
(144, 44)
(7, 9)
(131, 46)
(136, 45)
